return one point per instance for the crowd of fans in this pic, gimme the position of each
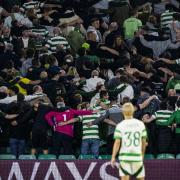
(67, 66)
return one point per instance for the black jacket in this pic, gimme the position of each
(21, 130)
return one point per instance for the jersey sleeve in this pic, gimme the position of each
(117, 133)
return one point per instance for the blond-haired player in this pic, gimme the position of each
(130, 140)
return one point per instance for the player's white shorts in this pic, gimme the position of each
(135, 169)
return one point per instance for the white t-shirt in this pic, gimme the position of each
(127, 92)
(25, 42)
(92, 83)
(131, 133)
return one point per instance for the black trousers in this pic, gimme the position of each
(39, 139)
(63, 141)
(177, 143)
(164, 139)
(110, 143)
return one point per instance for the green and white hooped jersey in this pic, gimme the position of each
(162, 117)
(89, 132)
(32, 5)
(98, 107)
(42, 31)
(131, 133)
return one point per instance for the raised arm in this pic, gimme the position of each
(81, 112)
(110, 122)
(71, 121)
(142, 74)
(168, 61)
(99, 119)
(113, 51)
(11, 116)
(147, 101)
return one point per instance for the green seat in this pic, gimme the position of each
(67, 157)
(178, 156)
(7, 156)
(86, 157)
(3, 150)
(165, 156)
(29, 156)
(149, 156)
(46, 156)
(105, 157)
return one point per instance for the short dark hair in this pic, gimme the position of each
(103, 93)
(51, 59)
(133, 12)
(124, 79)
(120, 71)
(126, 61)
(94, 19)
(163, 105)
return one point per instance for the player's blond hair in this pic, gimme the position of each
(128, 109)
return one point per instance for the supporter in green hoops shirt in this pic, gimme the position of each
(130, 140)
(164, 132)
(103, 103)
(175, 118)
(90, 134)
